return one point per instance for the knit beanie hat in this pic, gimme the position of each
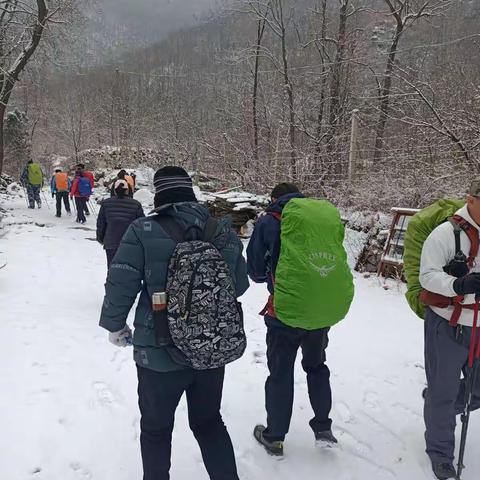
(172, 185)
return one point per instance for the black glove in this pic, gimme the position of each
(468, 284)
(53, 195)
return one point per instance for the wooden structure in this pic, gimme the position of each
(392, 258)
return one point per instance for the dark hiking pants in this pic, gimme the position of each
(81, 203)
(62, 196)
(446, 357)
(283, 343)
(159, 394)
(33, 194)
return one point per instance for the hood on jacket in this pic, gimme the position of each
(277, 206)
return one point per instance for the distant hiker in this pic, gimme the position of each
(123, 175)
(86, 173)
(190, 270)
(115, 216)
(60, 186)
(448, 272)
(81, 191)
(311, 289)
(32, 180)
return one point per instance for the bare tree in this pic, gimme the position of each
(17, 22)
(405, 14)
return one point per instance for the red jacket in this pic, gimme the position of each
(89, 175)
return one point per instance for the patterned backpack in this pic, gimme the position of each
(204, 318)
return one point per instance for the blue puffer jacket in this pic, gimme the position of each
(141, 265)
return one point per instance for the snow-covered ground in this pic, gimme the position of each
(68, 403)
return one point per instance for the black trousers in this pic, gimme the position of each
(81, 204)
(283, 343)
(59, 197)
(158, 397)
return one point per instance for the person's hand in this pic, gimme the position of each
(122, 338)
(53, 195)
(468, 284)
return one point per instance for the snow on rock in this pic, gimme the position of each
(144, 196)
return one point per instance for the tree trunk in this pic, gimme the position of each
(323, 84)
(385, 93)
(2, 149)
(291, 100)
(260, 32)
(337, 71)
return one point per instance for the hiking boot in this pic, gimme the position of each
(274, 448)
(444, 471)
(58, 215)
(325, 439)
(87, 213)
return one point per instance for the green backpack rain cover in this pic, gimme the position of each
(419, 228)
(313, 282)
(35, 175)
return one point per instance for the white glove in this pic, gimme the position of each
(122, 338)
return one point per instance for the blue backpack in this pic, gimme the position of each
(84, 187)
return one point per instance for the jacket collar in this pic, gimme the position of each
(464, 213)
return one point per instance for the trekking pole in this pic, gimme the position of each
(45, 199)
(92, 208)
(26, 195)
(470, 382)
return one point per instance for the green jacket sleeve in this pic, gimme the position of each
(124, 281)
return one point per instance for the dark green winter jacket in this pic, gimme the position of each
(140, 265)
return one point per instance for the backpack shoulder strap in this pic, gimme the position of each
(472, 234)
(171, 227)
(276, 215)
(456, 231)
(210, 229)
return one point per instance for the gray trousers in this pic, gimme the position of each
(446, 357)
(33, 193)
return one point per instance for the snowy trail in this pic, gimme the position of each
(68, 406)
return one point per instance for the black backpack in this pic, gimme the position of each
(205, 321)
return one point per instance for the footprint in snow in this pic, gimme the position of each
(103, 393)
(343, 410)
(81, 472)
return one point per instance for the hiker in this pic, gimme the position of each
(313, 290)
(170, 344)
(32, 180)
(115, 216)
(122, 175)
(60, 186)
(449, 275)
(81, 191)
(86, 173)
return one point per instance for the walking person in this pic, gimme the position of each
(87, 174)
(115, 216)
(450, 277)
(80, 192)
(60, 186)
(179, 252)
(311, 289)
(32, 179)
(123, 175)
